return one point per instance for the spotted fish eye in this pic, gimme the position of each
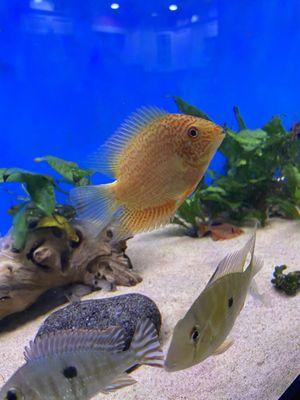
(193, 132)
(195, 335)
(14, 394)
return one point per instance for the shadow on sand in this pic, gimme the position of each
(47, 302)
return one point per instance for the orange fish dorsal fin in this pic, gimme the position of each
(110, 339)
(133, 221)
(105, 159)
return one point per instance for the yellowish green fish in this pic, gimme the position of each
(76, 365)
(203, 330)
(157, 160)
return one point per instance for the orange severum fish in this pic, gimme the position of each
(157, 160)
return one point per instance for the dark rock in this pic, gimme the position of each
(124, 311)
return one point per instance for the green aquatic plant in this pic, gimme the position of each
(48, 248)
(261, 176)
(41, 200)
(289, 283)
(69, 170)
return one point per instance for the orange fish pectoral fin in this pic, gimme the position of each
(133, 221)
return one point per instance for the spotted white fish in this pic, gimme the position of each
(79, 364)
(203, 330)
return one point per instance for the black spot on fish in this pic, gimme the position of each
(11, 395)
(70, 372)
(230, 302)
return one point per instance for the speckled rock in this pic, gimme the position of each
(124, 311)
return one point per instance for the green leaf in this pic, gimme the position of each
(19, 175)
(215, 190)
(292, 175)
(68, 169)
(287, 207)
(230, 148)
(42, 194)
(249, 215)
(20, 228)
(239, 118)
(248, 139)
(186, 108)
(274, 127)
(212, 174)
(241, 162)
(184, 212)
(39, 187)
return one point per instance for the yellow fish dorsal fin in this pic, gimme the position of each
(110, 339)
(235, 262)
(105, 159)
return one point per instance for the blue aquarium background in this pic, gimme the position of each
(72, 70)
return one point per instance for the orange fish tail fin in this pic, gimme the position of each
(94, 204)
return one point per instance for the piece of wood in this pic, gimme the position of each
(50, 260)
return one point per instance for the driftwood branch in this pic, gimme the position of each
(51, 260)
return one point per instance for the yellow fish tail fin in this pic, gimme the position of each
(257, 264)
(95, 204)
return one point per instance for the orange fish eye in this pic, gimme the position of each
(193, 132)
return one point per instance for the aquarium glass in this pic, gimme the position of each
(72, 70)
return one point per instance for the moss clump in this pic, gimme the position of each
(289, 283)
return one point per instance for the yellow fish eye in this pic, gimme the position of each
(14, 394)
(195, 334)
(193, 132)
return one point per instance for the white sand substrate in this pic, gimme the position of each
(265, 356)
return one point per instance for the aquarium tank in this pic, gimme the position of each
(120, 117)
(71, 71)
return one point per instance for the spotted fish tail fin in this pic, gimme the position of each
(145, 344)
(95, 204)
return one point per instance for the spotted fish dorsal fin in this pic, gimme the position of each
(110, 339)
(235, 262)
(105, 159)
